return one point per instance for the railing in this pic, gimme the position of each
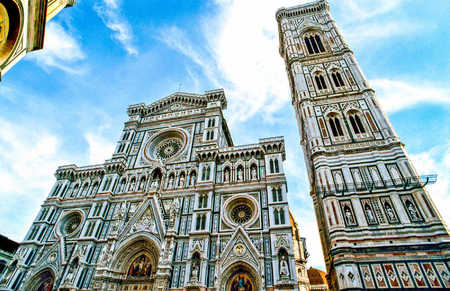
(405, 183)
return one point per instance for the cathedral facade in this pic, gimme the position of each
(177, 207)
(378, 225)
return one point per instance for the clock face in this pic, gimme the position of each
(71, 223)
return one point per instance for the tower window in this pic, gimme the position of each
(337, 79)
(320, 82)
(271, 166)
(277, 167)
(279, 216)
(314, 44)
(202, 201)
(356, 123)
(335, 126)
(200, 223)
(206, 173)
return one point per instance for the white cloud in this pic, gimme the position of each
(397, 95)
(29, 155)
(109, 12)
(100, 148)
(436, 161)
(365, 9)
(61, 50)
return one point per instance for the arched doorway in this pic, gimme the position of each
(240, 277)
(43, 281)
(138, 262)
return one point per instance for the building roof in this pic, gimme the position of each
(8, 245)
(316, 276)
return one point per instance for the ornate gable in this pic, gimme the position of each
(240, 248)
(144, 220)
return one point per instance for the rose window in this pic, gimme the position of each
(240, 209)
(241, 213)
(166, 145)
(168, 148)
(70, 224)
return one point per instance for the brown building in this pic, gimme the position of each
(317, 279)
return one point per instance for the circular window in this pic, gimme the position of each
(241, 214)
(168, 148)
(241, 210)
(70, 223)
(166, 145)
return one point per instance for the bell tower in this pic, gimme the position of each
(22, 27)
(379, 227)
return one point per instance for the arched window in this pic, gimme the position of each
(277, 167)
(356, 123)
(197, 222)
(280, 195)
(200, 222)
(271, 166)
(335, 125)
(337, 79)
(276, 217)
(282, 218)
(202, 201)
(314, 43)
(274, 194)
(206, 173)
(320, 81)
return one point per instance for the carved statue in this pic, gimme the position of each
(254, 173)
(170, 185)
(181, 184)
(390, 212)
(226, 177)
(369, 213)
(240, 174)
(349, 216)
(195, 270)
(173, 212)
(412, 211)
(284, 269)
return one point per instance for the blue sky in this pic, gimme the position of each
(67, 103)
